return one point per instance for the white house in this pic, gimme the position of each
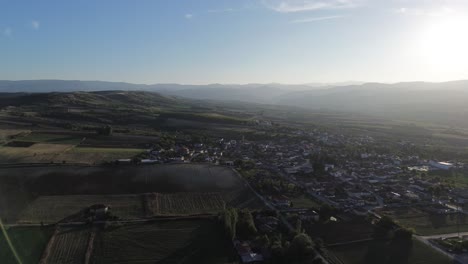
(441, 165)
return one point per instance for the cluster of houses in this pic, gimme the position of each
(355, 180)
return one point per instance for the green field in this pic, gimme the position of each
(182, 241)
(427, 224)
(90, 155)
(455, 178)
(421, 254)
(129, 151)
(303, 202)
(28, 242)
(51, 138)
(59, 153)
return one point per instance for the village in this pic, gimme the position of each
(303, 174)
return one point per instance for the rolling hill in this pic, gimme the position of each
(443, 103)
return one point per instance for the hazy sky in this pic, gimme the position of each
(237, 41)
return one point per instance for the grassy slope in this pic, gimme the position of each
(28, 242)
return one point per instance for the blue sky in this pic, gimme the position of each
(237, 41)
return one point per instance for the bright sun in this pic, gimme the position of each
(444, 43)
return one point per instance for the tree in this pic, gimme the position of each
(277, 252)
(245, 225)
(317, 260)
(106, 130)
(238, 163)
(301, 246)
(383, 226)
(263, 241)
(401, 246)
(229, 220)
(318, 167)
(299, 226)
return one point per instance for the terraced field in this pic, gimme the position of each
(183, 203)
(51, 209)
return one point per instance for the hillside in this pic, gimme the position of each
(87, 99)
(442, 103)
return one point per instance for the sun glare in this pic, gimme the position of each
(444, 43)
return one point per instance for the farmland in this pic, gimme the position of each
(196, 187)
(51, 138)
(59, 153)
(425, 223)
(183, 203)
(52, 209)
(189, 177)
(180, 241)
(304, 202)
(125, 179)
(341, 231)
(28, 242)
(421, 254)
(35, 153)
(8, 134)
(69, 246)
(458, 178)
(86, 148)
(91, 155)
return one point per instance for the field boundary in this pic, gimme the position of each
(48, 248)
(90, 248)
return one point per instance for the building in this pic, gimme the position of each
(441, 165)
(246, 254)
(98, 211)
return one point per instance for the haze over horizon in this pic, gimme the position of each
(248, 41)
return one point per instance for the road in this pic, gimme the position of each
(446, 235)
(270, 206)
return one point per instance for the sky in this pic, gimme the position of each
(236, 41)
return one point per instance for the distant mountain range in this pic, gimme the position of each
(445, 102)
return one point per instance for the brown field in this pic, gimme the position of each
(46, 147)
(89, 155)
(69, 246)
(52, 209)
(119, 141)
(36, 153)
(7, 134)
(183, 203)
